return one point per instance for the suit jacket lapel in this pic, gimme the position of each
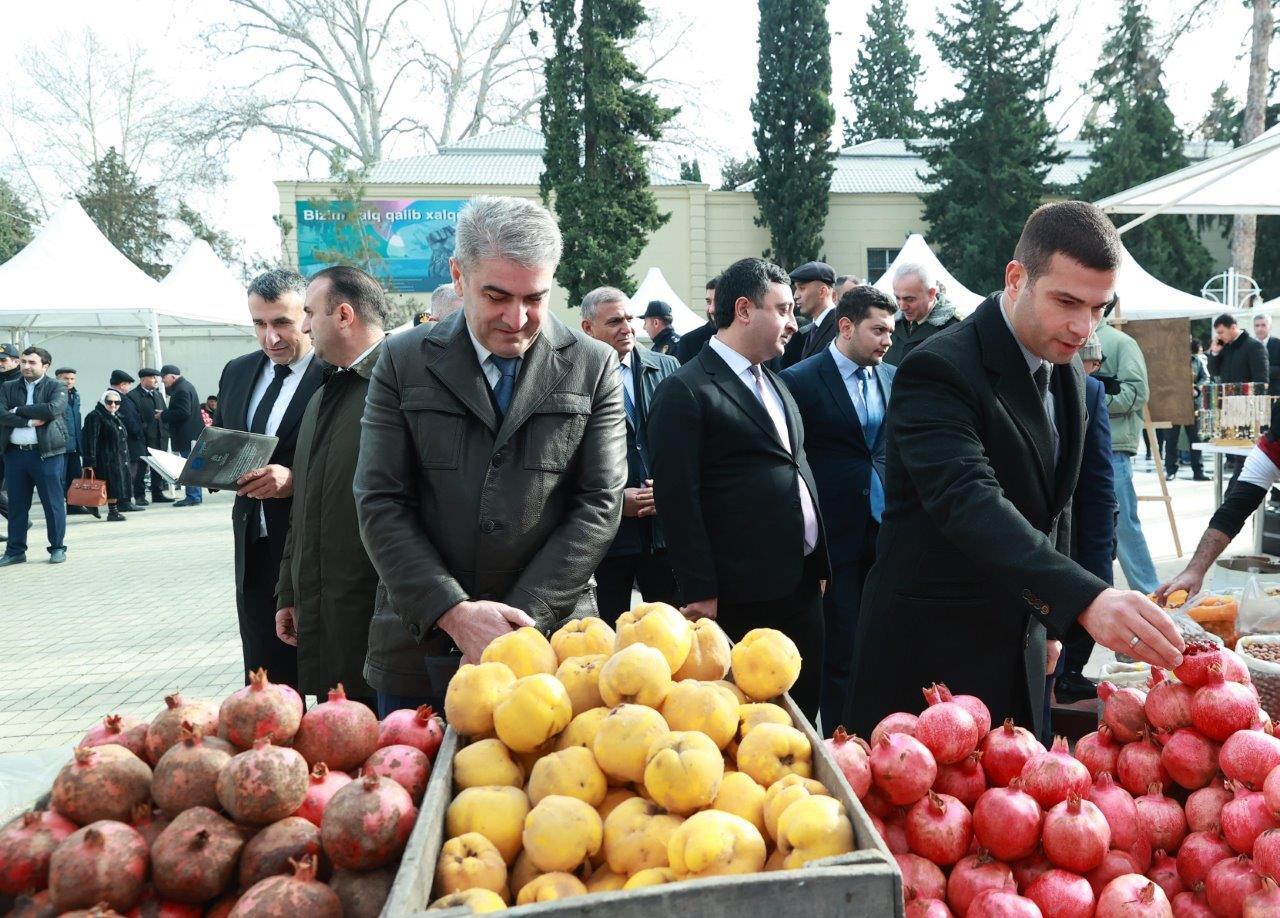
(715, 367)
(456, 367)
(307, 385)
(242, 411)
(789, 411)
(541, 370)
(830, 376)
(1069, 384)
(885, 375)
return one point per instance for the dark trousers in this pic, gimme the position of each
(140, 470)
(24, 473)
(256, 605)
(1169, 440)
(194, 495)
(651, 574)
(71, 470)
(799, 617)
(388, 703)
(840, 613)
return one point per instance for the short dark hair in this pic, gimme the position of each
(356, 288)
(857, 302)
(749, 277)
(711, 284)
(1226, 319)
(1196, 346)
(214, 397)
(45, 357)
(1076, 229)
(61, 370)
(276, 282)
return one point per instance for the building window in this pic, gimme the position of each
(878, 261)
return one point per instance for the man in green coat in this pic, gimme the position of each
(327, 584)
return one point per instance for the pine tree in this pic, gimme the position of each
(794, 118)
(224, 245)
(595, 119)
(993, 146)
(882, 84)
(690, 171)
(127, 212)
(16, 222)
(1137, 141)
(735, 172)
(356, 242)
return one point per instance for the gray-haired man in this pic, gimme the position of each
(922, 311)
(492, 462)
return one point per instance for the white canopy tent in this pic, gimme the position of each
(1144, 297)
(200, 284)
(655, 287)
(915, 251)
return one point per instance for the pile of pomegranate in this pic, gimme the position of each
(1172, 808)
(247, 808)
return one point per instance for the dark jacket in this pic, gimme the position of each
(49, 404)
(73, 421)
(145, 402)
(1093, 507)
(972, 557)
(810, 340)
(726, 490)
(105, 449)
(666, 341)
(454, 505)
(1273, 365)
(131, 416)
(182, 417)
(907, 335)
(636, 535)
(691, 345)
(1244, 360)
(326, 574)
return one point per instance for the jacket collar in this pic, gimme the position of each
(736, 388)
(943, 312)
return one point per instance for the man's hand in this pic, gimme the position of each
(287, 626)
(1189, 580)
(638, 501)
(1053, 650)
(1115, 617)
(472, 625)
(35, 422)
(268, 481)
(703, 608)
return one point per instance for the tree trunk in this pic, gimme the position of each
(1244, 228)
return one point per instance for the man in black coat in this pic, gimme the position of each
(922, 311)
(267, 392)
(986, 435)
(732, 486)
(1262, 331)
(814, 283)
(1234, 357)
(691, 345)
(657, 325)
(182, 418)
(146, 401)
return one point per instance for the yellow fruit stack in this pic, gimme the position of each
(599, 761)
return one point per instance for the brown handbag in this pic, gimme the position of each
(89, 491)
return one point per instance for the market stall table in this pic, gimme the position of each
(1218, 451)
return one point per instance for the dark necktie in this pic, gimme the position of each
(810, 346)
(1041, 378)
(263, 412)
(627, 403)
(506, 386)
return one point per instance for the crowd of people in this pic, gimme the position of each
(910, 497)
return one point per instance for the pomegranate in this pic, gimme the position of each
(38, 905)
(1000, 903)
(1139, 765)
(102, 782)
(946, 729)
(106, 861)
(1029, 869)
(367, 823)
(1200, 851)
(1123, 711)
(1189, 759)
(25, 848)
(902, 768)
(422, 728)
(408, 766)
(876, 803)
(1168, 704)
(321, 786)
(897, 722)
(923, 876)
(1249, 756)
(1220, 708)
(363, 893)
(1271, 790)
(165, 728)
(1266, 854)
(924, 908)
(120, 729)
(1245, 817)
(850, 753)
(1119, 809)
(340, 732)
(976, 874)
(965, 780)
(187, 773)
(1007, 821)
(1141, 853)
(223, 906)
(1076, 835)
(1062, 894)
(194, 859)
(1229, 883)
(1265, 903)
(269, 852)
(895, 832)
(299, 894)
(1114, 864)
(1164, 873)
(1204, 807)
(148, 823)
(1200, 655)
(939, 828)
(1133, 896)
(1099, 751)
(152, 906)
(1005, 750)
(1054, 775)
(262, 710)
(1192, 904)
(976, 707)
(263, 784)
(1161, 820)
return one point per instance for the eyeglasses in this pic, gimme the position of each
(111, 402)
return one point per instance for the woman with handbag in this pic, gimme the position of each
(105, 452)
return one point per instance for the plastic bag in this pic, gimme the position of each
(1259, 613)
(1264, 674)
(25, 776)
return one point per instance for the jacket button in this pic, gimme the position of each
(497, 459)
(866, 491)
(486, 526)
(796, 502)
(415, 630)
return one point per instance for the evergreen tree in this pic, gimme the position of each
(882, 84)
(993, 146)
(735, 172)
(356, 242)
(594, 119)
(127, 212)
(223, 244)
(16, 222)
(690, 171)
(1222, 121)
(794, 118)
(1137, 141)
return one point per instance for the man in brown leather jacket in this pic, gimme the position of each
(492, 462)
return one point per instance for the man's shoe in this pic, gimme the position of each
(1073, 687)
(130, 508)
(161, 499)
(115, 516)
(78, 511)
(12, 559)
(94, 512)
(57, 556)
(141, 502)
(1171, 476)
(1201, 476)
(186, 503)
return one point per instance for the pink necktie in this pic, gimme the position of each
(780, 426)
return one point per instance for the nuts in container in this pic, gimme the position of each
(1261, 654)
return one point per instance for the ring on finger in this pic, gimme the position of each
(1134, 641)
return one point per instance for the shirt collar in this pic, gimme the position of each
(1033, 362)
(34, 382)
(626, 361)
(823, 316)
(737, 363)
(846, 367)
(366, 353)
(298, 366)
(482, 352)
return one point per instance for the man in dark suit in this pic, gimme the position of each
(843, 393)
(146, 401)
(1234, 357)
(691, 345)
(814, 283)
(657, 325)
(33, 433)
(267, 392)
(735, 493)
(638, 556)
(985, 443)
(1262, 331)
(182, 418)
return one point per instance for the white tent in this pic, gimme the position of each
(200, 284)
(1144, 297)
(655, 287)
(916, 251)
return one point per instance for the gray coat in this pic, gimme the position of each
(453, 506)
(49, 404)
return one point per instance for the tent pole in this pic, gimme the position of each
(1157, 211)
(155, 340)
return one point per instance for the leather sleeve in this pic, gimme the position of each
(55, 407)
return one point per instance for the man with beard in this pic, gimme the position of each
(922, 311)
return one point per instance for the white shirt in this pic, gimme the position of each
(491, 372)
(848, 371)
(26, 436)
(823, 317)
(287, 390)
(1259, 470)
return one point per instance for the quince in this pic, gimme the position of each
(476, 901)
(473, 692)
(535, 709)
(714, 843)
(812, 828)
(622, 741)
(737, 692)
(560, 833)
(709, 653)
(752, 715)
(582, 729)
(471, 861)
(525, 651)
(766, 663)
(702, 706)
(550, 887)
(773, 751)
(637, 674)
(571, 772)
(683, 771)
(605, 880)
(660, 626)
(497, 813)
(523, 872)
(743, 797)
(652, 876)
(636, 835)
(782, 794)
(581, 637)
(581, 679)
(486, 763)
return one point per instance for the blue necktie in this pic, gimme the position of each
(506, 386)
(870, 429)
(627, 403)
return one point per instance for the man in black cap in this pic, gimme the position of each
(657, 325)
(814, 283)
(182, 417)
(145, 400)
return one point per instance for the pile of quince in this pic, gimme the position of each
(599, 761)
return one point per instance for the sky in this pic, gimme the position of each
(714, 69)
